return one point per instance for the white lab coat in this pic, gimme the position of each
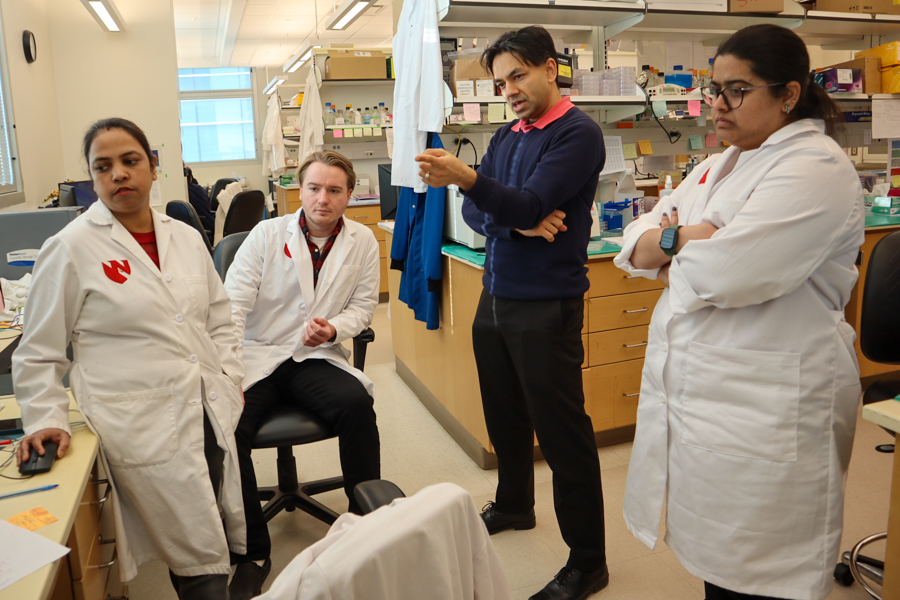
(224, 198)
(273, 138)
(418, 89)
(750, 384)
(433, 545)
(273, 297)
(312, 126)
(143, 351)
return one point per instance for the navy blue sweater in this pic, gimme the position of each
(523, 177)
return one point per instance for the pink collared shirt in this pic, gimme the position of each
(558, 110)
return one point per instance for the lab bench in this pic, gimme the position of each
(439, 366)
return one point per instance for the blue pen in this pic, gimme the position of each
(31, 491)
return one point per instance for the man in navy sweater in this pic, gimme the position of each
(531, 198)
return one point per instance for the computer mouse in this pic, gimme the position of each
(39, 464)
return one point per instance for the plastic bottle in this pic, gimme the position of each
(357, 117)
(388, 119)
(329, 115)
(339, 117)
(643, 79)
(381, 113)
(666, 190)
(367, 116)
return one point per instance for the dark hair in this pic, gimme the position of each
(777, 55)
(531, 45)
(116, 123)
(332, 159)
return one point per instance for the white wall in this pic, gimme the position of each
(132, 74)
(33, 100)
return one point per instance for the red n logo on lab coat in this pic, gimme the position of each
(117, 270)
(287, 252)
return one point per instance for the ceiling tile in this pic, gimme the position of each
(252, 10)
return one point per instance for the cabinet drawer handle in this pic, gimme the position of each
(109, 541)
(631, 395)
(629, 312)
(110, 563)
(104, 498)
(632, 276)
(634, 345)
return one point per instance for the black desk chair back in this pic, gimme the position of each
(218, 186)
(184, 212)
(286, 426)
(878, 334)
(246, 210)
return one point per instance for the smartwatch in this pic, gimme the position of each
(669, 240)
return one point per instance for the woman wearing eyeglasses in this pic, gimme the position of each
(750, 384)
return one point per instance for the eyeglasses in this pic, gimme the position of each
(733, 96)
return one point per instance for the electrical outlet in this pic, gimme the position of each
(370, 153)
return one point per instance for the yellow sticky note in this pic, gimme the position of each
(630, 151)
(645, 146)
(895, 181)
(496, 113)
(32, 519)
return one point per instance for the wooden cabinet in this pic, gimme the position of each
(288, 201)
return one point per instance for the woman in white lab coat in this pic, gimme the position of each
(156, 368)
(750, 385)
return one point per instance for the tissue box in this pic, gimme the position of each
(886, 205)
(840, 80)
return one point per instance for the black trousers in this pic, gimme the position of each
(206, 587)
(714, 592)
(333, 394)
(529, 355)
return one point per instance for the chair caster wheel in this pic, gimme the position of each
(843, 575)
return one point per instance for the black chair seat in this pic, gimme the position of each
(288, 425)
(882, 390)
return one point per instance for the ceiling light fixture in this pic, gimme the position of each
(273, 85)
(106, 14)
(299, 59)
(346, 13)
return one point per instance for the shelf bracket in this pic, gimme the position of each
(599, 36)
(622, 112)
(610, 31)
(443, 7)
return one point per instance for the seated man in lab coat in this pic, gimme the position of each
(300, 285)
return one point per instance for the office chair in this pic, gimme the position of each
(246, 210)
(878, 333)
(184, 212)
(218, 186)
(286, 426)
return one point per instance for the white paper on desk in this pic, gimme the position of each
(885, 118)
(156, 194)
(615, 155)
(23, 552)
(618, 241)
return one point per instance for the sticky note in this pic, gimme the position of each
(472, 112)
(357, 132)
(377, 131)
(496, 112)
(33, 519)
(630, 151)
(895, 181)
(367, 131)
(711, 140)
(659, 108)
(338, 133)
(645, 146)
(694, 108)
(696, 142)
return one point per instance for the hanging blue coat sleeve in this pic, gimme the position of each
(402, 228)
(434, 228)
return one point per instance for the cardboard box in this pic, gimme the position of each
(886, 205)
(355, 64)
(874, 7)
(858, 116)
(840, 80)
(890, 80)
(466, 68)
(871, 72)
(756, 6)
(888, 53)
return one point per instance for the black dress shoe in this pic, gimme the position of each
(572, 584)
(248, 580)
(497, 521)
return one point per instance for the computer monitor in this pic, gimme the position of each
(84, 192)
(389, 193)
(67, 195)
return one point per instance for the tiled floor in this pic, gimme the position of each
(417, 452)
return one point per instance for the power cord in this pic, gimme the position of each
(673, 136)
(464, 141)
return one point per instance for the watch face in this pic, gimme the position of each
(667, 241)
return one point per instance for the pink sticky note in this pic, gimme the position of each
(711, 140)
(472, 111)
(694, 108)
(338, 133)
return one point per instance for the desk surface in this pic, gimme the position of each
(885, 413)
(71, 473)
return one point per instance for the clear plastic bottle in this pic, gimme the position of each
(329, 115)
(339, 117)
(382, 111)
(643, 79)
(667, 190)
(388, 119)
(367, 116)
(357, 117)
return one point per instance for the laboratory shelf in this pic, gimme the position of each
(355, 82)
(589, 100)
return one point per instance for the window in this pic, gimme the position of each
(10, 182)
(217, 114)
